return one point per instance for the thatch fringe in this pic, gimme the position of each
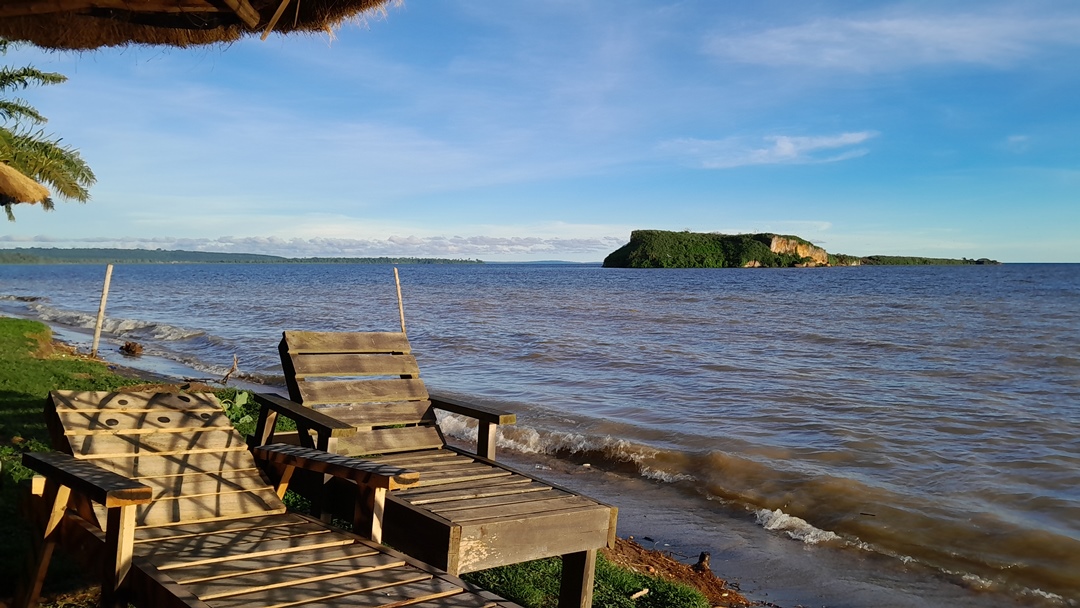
(101, 25)
(17, 188)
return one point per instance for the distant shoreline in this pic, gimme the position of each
(52, 255)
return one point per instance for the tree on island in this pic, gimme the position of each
(24, 146)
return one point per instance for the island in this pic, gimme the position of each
(670, 249)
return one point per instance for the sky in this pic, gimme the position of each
(516, 130)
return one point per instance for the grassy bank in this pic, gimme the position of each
(31, 366)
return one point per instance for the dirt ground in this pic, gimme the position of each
(629, 554)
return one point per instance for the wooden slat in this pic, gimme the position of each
(206, 484)
(105, 401)
(398, 595)
(382, 441)
(417, 457)
(197, 555)
(316, 593)
(433, 465)
(478, 471)
(444, 508)
(300, 572)
(533, 536)
(353, 364)
(240, 540)
(103, 487)
(139, 466)
(209, 508)
(364, 472)
(492, 487)
(321, 392)
(154, 534)
(300, 342)
(84, 422)
(275, 563)
(571, 503)
(370, 415)
(112, 446)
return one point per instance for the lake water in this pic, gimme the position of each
(927, 418)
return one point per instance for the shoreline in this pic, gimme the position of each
(627, 553)
(769, 567)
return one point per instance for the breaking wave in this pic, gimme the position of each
(126, 328)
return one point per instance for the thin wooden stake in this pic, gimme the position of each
(274, 19)
(101, 310)
(400, 303)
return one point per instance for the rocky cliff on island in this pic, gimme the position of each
(668, 249)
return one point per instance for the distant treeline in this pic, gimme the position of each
(839, 259)
(42, 255)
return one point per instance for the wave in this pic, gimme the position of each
(977, 549)
(132, 328)
(795, 527)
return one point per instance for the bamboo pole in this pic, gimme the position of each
(400, 303)
(101, 310)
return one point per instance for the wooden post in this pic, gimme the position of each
(101, 310)
(485, 439)
(378, 508)
(400, 303)
(578, 575)
(119, 541)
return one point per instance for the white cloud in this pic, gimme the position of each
(770, 150)
(484, 247)
(894, 42)
(1017, 143)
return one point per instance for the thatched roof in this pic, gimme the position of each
(17, 188)
(89, 24)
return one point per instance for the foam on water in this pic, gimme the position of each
(795, 527)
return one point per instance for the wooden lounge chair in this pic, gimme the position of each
(360, 394)
(163, 494)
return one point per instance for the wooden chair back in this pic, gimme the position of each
(367, 379)
(181, 445)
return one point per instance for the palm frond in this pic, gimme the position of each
(43, 158)
(17, 109)
(21, 78)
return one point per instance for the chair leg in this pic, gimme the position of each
(29, 590)
(578, 576)
(56, 498)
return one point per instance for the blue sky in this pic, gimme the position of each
(524, 130)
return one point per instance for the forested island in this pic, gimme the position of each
(47, 255)
(669, 249)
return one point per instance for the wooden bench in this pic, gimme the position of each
(361, 394)
(160, 495)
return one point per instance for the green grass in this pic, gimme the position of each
(25, 381)
(536, 585)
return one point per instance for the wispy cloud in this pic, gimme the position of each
(1017, 144)
(733, 152)
(490, 247)
(892, 42)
